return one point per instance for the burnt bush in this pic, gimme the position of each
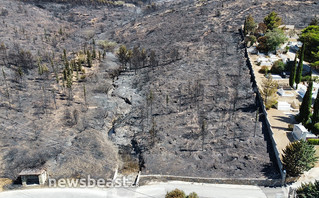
(21, 58)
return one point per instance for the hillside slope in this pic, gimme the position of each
(193, 113)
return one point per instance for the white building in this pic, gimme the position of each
(301, 133)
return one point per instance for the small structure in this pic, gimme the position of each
(287, 27)
(301, 133)
(276, 77)
(282, 92)
(302, 90)
(283, 106)
(33, 177)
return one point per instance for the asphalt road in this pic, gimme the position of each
(156, 190)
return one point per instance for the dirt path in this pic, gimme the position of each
(278, 119)
(279, 124)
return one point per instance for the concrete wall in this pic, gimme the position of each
(144, 179)
(263, 108)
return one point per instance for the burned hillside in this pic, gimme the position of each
(191, 111)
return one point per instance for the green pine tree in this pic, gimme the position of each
(292, 76)
(304, 111)
(272, 20)
(300, 66)
(298, 157)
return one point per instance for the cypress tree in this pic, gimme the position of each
(315, 116)
(304, 111)
(292, 76)
(300, 66)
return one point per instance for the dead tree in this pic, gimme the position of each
(7, 87)
(153, 61)
(153, 132)
(136, 58)
(84, 95)
(54, 99)
(150, 100)
(180, 96)
(174, 55)
(203, 127)
(3, 54)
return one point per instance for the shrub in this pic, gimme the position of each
(264, 70)
(315, 128)
(262, 44)
(313, 141)
(252, 39)
(175, 194)
(271, 40)
(275, 38)
(268, 92)
(106, 45)
(278, 67)
(315, 65)
(250, 25)
(306, 78)
(192, 195)
(262, 28)
(298, 157)
(308, 190)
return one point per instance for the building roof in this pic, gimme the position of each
(32, 171)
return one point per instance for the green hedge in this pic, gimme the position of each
(313, 141)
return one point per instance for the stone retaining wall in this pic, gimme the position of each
(263, 108)
(144, 179)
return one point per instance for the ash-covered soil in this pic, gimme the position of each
(193, 114)
(203, 106)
